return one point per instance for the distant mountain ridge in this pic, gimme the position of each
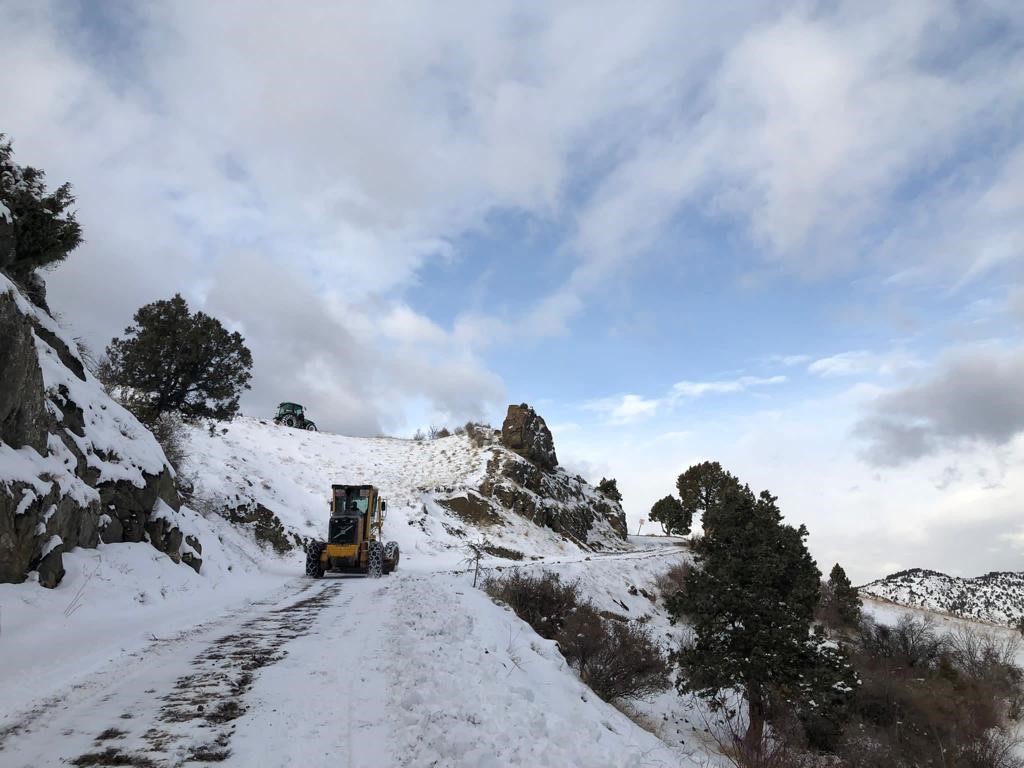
(996, 597)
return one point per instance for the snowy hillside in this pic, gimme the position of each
(995, 597)
(440, 493)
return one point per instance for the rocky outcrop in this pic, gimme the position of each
(75, 467)
(266, 527)
(525, 433)
(523, 477)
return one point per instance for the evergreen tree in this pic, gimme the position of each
(609, 488)
(751, 602)
(845, 598)
(674, 519)
(45, 230)
(700, 487)
(173, 361)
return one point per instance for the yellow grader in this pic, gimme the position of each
(354, 536)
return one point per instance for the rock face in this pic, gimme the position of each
(525, 433)
(525, 479)
(75, 467)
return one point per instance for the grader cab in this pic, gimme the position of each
(354, 535)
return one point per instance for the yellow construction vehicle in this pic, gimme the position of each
(354, 535)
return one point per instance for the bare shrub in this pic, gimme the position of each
(993, 750)
(169, 431)
(674, 579)
(617, 660)
(543, 601)
(436, 432)
(775, 749)
(479, 434)
(981, 654)
(930, 699)
(913, 642)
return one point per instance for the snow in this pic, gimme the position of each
(995, 597)
(52, 544)
(5, 213)
(418, 668)
(290, 472)
(114, 443)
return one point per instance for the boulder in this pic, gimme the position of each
(51, 567)
(525, 433)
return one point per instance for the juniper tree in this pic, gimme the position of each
(44, 228)
(609, 488)
(701, 486)
(171, 360)
(845, 598)
(674, 519)
(750, 600)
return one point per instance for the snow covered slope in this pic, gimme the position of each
(440, 493)
(75, 467)
(995, 597)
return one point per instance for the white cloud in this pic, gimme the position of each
(862, 362)
(624, 409)
(855, 363)
(690, 389)
(788, 360)
(628, 409)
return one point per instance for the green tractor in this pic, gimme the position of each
(292, 415)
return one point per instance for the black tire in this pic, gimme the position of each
(391, 555)
(313, 567)
(310, 426)
(289, 420)
(375, 557)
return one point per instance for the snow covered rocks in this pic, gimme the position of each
(75, 467)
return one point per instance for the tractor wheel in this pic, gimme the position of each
(313, 567)
(289, 421)
(391, 554)
(375, 555)
(311, 426)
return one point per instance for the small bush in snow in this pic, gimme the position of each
(609, 488)
(616, 659)
(543, 601)
(169, 431)
(673, 581)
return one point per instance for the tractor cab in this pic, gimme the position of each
(289, 408)
(293, 415)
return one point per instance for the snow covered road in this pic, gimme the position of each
(417, 669)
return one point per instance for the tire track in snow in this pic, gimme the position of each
(177, 709)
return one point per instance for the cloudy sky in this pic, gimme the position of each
(785, 236)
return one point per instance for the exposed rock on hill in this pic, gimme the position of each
(995, 597)
(526, 480)
(75, 467)
(525, 433)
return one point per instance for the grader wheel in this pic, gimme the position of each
(314, 569)
(376, 559)
(391, 555)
